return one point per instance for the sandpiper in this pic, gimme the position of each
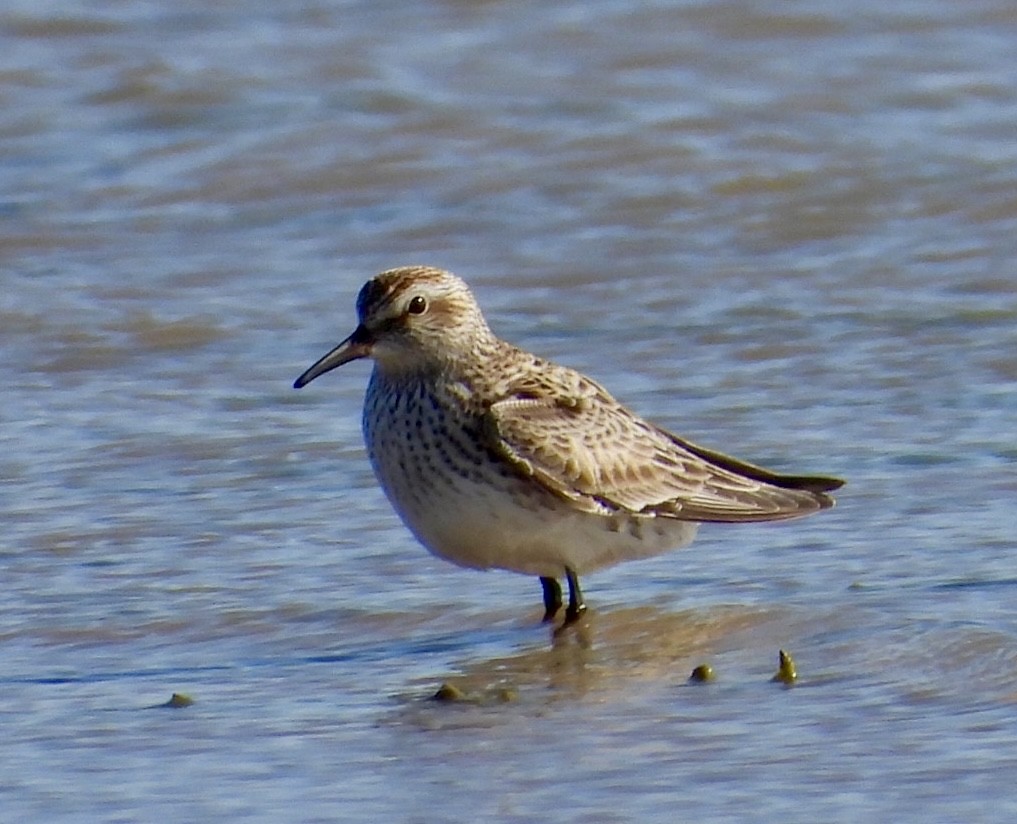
(497, 458)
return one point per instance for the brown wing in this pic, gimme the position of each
(571, 436)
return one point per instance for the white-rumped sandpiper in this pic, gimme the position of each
(496, 458)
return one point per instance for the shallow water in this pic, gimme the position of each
(784, 232)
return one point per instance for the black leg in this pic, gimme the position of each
(552, 598)
(576, 605)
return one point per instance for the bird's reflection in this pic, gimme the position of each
(604, 651)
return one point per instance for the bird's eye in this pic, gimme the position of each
(417, 306)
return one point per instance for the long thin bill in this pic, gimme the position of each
(356, 346)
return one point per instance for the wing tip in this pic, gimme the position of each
(808, 483)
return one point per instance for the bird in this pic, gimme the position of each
(496, 458)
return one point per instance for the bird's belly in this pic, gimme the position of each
(476, 512)
(474, 531)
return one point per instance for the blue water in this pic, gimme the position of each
(786, 232)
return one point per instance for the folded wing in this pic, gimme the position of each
(568, 433)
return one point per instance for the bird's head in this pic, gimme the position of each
(411, 318)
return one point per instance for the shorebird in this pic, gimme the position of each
(497, 458)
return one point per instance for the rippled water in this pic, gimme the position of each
(787, 231)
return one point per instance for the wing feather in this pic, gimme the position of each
(570, 435)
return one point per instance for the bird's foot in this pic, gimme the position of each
(573, 613)
(577, 606)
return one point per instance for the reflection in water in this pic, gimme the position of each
(610, 651)
(617, 654)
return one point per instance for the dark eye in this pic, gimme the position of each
(417, 305)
